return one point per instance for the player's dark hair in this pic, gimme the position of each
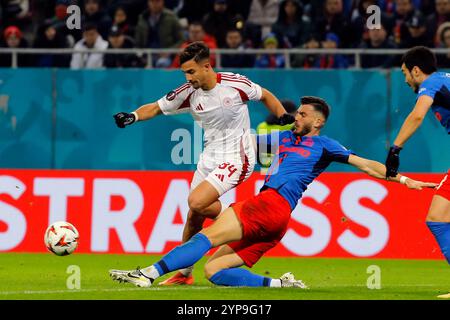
(421, 57)
(442, 37)
(234, 30)
(196, 23)
(196, 50)
(319, 105)
(88, 26)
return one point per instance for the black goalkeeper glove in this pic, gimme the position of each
(286, 119)
(393, 161)
(124, 119)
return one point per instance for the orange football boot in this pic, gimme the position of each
(178, 279)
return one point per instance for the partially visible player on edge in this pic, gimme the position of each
(247, 229)
(218, 102)
(433, 91)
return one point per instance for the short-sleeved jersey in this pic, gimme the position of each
(437, 86)
(298, 161)
(222, 112)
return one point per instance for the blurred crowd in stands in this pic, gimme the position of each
(228, 24)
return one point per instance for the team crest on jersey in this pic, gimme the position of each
(171, 95)
(227, 102)
(422, 90)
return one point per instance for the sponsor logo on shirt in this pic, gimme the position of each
(303, 152)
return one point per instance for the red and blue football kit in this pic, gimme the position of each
(437, 86)
(298, 161)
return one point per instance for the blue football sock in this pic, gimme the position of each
(237, 277)
(441, 231)
(184, 255)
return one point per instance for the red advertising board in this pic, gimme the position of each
(340, 215)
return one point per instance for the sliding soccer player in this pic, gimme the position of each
(433, 91)
(248, 229)
(218, 103)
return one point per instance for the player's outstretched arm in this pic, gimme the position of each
(410, 125)
(378, 170)
(274, 105)
(414, 120)
(145, 112)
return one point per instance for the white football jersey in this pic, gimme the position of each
(222, 113)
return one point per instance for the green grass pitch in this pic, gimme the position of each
(44, 276)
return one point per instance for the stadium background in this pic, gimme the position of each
(64, 122)
(63, 158)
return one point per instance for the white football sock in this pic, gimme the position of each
(275, 283)
(150, 272)
(187, 271)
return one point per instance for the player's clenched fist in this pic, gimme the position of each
(124, 119)
(286, 119)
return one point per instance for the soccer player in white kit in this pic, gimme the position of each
(217, 102)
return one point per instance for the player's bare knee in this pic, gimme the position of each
(439, 210)
(195, 204)
(434, 216)
(430, 218)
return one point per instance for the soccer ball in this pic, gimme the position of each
(61, 238)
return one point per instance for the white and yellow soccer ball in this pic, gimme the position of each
(61, 238)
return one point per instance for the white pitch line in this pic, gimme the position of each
(102, 290)
(186, 288)
(390, 286)
(383, 286)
